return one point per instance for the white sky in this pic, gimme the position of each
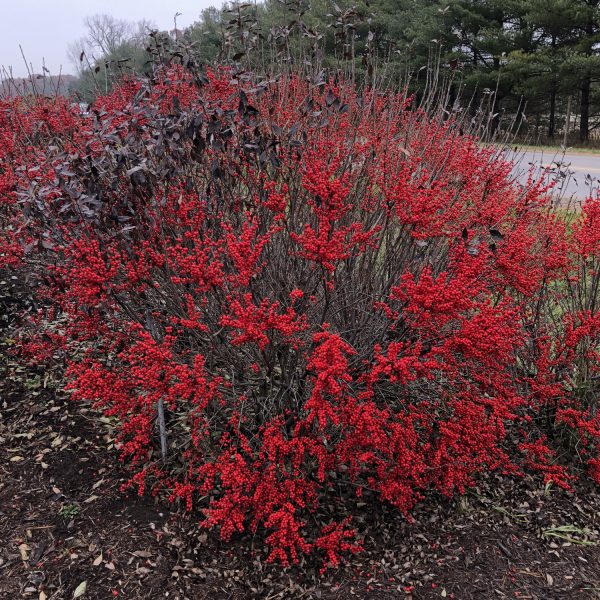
(45, 28)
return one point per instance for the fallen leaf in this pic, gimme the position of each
(16, 459)
(24, 550)
(38, 552)
(97, 560)
(80, 590)
(549, 579)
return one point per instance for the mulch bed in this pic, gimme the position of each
(67, 530)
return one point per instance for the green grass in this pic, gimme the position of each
(557, 149)
(588, 150)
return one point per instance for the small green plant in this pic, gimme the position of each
(33, 383)
(571, 534)
(69, 511)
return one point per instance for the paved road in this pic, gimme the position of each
(576, 175)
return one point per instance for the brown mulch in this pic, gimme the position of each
(67, 529)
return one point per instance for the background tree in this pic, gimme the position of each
(110, 48)
(207, 34)
(504, 58)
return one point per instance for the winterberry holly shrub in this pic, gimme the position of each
(287, 290)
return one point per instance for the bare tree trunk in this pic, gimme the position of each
(552, 117)
(586, 84)
(584, 121)
(567, 123)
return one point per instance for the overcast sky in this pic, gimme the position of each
(45, 28)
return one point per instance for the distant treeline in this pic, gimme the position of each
(536, 63)
(46, 85)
